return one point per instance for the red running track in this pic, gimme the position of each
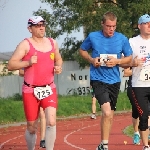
(74, 134)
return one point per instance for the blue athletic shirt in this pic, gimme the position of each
(117, 44)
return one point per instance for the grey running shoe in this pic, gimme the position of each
(42, 143)
(101, 147)
(93, 116)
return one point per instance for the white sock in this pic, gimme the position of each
(50, 137)
(30, 139)
(105, 143)
(137, 132)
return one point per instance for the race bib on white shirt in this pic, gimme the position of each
(104, 57)
(42, 92)
(145, 75)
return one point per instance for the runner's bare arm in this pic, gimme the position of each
(86, 56)
(125, 66)
(95, 61)
(15, 62)
(133, 63)
(57, 56)
(21, 72)
(125, 60)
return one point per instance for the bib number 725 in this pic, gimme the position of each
(42, 92)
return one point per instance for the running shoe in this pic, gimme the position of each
(136, 139)
(101, 147)
(42, 143)
(146, 148)
(93, 116)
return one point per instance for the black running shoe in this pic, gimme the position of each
(42, 143)
(101, 147)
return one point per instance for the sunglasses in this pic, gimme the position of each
(39, 25)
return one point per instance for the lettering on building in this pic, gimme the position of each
(80, 77)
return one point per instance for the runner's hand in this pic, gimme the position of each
(33, 59)
(96, 62)
(127, 72)
(138, 62)
(111, 61)
(57, 69)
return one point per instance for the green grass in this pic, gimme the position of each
(11, 109)
(74, 105)
(123, 102)
(129, 131)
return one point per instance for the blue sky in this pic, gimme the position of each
(13, 22)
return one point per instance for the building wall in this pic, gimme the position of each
(68, 83)
(67, 66)
(10, 85)
(71, 81)
(70, 65)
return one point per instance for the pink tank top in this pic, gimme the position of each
(41, 73)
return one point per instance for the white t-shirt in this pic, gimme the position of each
(141, 74)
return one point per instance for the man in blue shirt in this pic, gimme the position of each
(107, 48)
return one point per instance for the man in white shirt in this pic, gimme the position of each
(141, 75)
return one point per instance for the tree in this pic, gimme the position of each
(68, 16)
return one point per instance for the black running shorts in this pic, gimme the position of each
(105, 92)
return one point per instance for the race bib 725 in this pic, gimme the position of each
(42, 92)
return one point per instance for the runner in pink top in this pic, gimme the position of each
(40, 58)
(41, 73)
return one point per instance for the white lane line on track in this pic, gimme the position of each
(9, 141)
(65, 138)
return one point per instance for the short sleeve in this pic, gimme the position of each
(86, 45)
(127, 50)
